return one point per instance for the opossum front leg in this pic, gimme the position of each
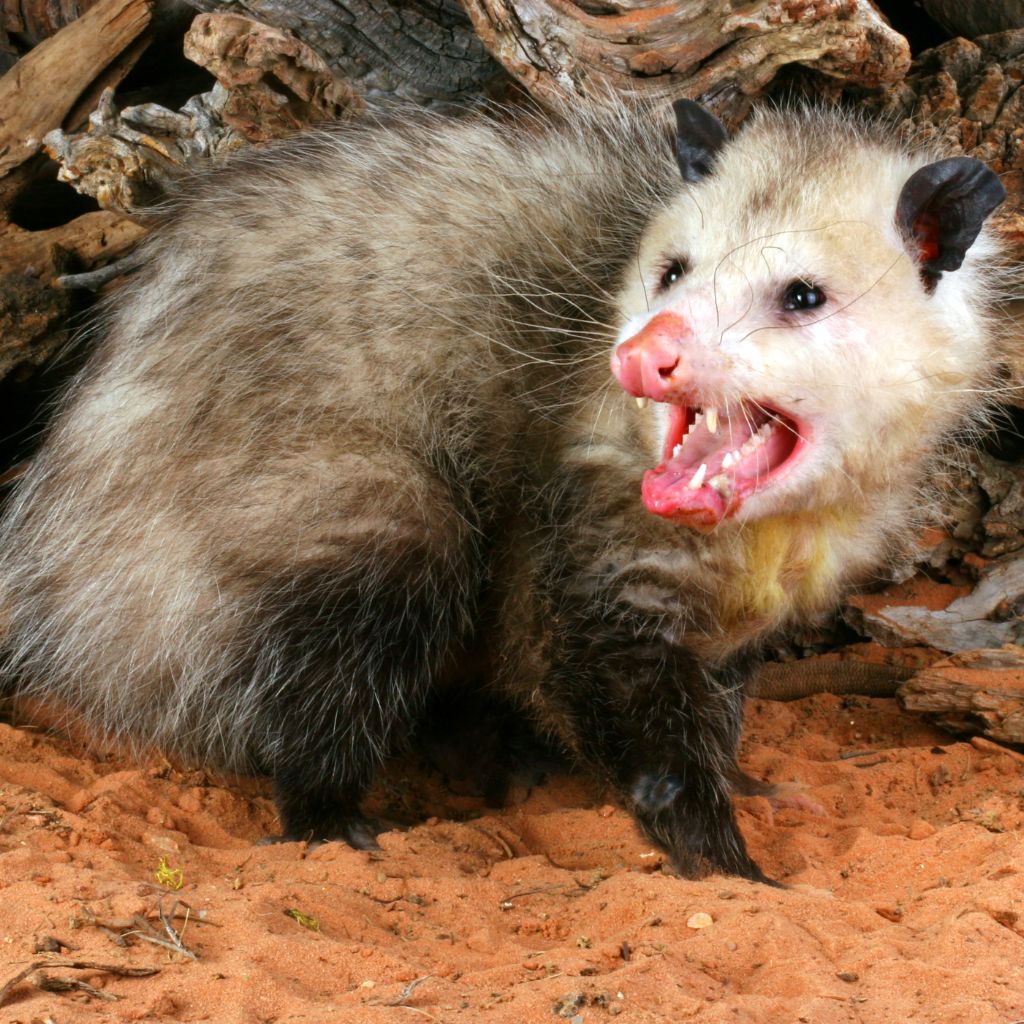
(662, 726)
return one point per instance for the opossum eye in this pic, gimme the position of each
(673, 272)
(801, 295)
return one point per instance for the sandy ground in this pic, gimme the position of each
(904, 901)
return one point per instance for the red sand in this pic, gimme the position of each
(905, 900)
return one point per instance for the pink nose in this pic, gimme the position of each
(651, 362)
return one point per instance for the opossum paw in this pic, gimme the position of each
(695, 825)
(358, 832)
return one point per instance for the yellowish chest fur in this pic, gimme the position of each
(786, 567)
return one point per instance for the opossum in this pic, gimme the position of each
(353, 428)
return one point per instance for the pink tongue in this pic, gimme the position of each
(666, 490)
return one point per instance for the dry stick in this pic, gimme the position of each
(93, 280)
(75, 965)
(73, 985)
(403, 995)
(506, 849)
(176, 937)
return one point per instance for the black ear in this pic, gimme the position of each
(942, 207)
(699, 137)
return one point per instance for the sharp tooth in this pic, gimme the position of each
(735, 456)
(641, 402)
(727, 462)
(676, 451)
(711, 419)
(698, 478)
(696, 419)
(720, 484)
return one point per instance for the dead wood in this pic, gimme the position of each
(75, 965)
(269, 84)
(969, 95)
(88, 240)
(724, 55)
(42, 88)
(32, 21)
(129, 159)
(988, 617)
(33, 321)
(275, 84)
(34, 310)
(979, 691)
(424, 51)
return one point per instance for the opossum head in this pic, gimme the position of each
(807, 316)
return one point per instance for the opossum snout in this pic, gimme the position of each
(653, 363)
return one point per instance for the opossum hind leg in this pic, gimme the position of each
(350, 652)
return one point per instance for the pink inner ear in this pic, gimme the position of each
(926, 233)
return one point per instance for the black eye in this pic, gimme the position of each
(801, 295)
(673, 272)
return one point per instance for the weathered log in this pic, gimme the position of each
(969, 95)
(34, 310)
(86, 241)
(990, 616)
(8, 53)
(269, 84)
(42, 88)
(33, 321)
(274, 83)
(980, 691)
(723, 54)
(32, 21)
(130, 158)
(419, 50)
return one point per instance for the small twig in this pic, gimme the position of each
(494, 836)
(116, 937)
(93, 280)
(48, 984)
(75, 965)
(173, 941)
(402, 996)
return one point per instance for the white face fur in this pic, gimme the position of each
(800, 321)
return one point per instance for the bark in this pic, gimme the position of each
(723, 55)
(419, 50)
(990, 616)
(275, 84)
(32, 21)
(968, 94)
(977, 691)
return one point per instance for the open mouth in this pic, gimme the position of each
(712, 463)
